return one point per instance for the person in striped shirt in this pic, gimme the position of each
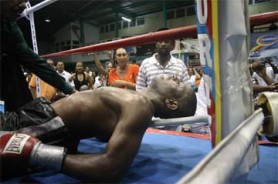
(161, 63)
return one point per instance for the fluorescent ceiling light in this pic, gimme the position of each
(126, 19)
(47, 20)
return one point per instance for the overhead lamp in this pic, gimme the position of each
(126, 19)
(47, 20)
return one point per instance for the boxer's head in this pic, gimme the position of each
(178, 98)
(11, 9)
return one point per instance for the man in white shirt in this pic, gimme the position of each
(161, 63)
(61, 71)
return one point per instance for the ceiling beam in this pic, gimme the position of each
(93, 10)
(86, 5)
(124, 9)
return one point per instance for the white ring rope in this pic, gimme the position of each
(222, 163)
(178, 121)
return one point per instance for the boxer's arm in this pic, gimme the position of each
(121, 149)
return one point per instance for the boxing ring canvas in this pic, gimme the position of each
(165, 157)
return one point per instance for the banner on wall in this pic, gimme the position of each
(264, 45)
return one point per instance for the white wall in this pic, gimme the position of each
(152, 23)
(63, 34)
(91, 33)
(263, 7)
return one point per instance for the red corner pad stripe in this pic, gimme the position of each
(169, 132)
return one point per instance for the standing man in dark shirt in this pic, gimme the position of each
(15, 53)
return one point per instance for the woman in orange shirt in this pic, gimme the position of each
(125, 74)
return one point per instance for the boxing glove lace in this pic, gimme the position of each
(25, 149)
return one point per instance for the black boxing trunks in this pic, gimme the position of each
(38, 119)
(33, 113)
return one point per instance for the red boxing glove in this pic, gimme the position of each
(17, 147)
(15, 151)
(18, 151)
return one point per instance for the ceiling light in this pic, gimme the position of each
(126, 19)
(47, 20)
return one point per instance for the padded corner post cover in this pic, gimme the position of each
(269, 102)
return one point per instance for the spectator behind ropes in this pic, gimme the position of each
(15, 53)
(193, 77)
(88, 71)
(100, 81)
(101, 69)
(80, 78)
(271, 70)
(39, 88)
(161, 63)
(125, 74)
(60, 66)
(263, 78)
(269, 61)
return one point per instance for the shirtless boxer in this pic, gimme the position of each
(119, 116)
